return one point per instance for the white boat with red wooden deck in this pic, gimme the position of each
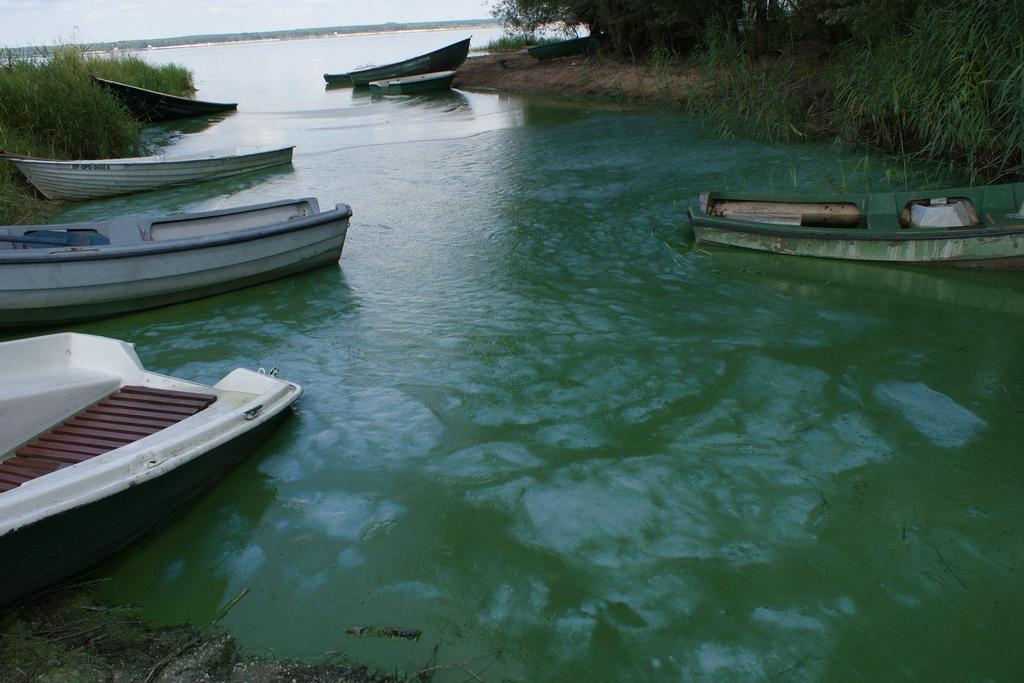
(94, 449)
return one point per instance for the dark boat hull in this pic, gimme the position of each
(447, 58)
(54, 548)
(565, 48)
(414, 84)
(153, 107)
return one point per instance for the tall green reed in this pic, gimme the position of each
(948, 87)
(49, 107)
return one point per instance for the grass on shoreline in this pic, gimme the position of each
(50, 108)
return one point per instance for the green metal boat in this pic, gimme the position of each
(447, 58)
(411, 85)
(973, 227)
(566, 48)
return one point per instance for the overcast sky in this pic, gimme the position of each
(42, 22)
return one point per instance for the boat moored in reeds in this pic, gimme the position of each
(447, 58)
(92, 178)
(153, 107)
(95, 450)
(51, 274)
(565, 48)
(978, 227)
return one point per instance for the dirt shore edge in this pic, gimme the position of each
(578, 76)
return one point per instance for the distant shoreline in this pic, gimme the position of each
(304, 36)
(205, 40)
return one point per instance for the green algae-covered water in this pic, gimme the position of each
(563, 442)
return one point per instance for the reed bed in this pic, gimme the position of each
(518, 41)
(945, 84)
(49, 107)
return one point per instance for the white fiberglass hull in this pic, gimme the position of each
(108, 177)
(49, 286)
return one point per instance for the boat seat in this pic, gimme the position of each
(33, 398)
(122, 418)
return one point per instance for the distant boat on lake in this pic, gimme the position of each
(153, 107)
(410, 85)
(447, 58)
(60, 273)
(978, 227)
(93, 178)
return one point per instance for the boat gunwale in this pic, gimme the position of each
(700, 219)
(341, 211)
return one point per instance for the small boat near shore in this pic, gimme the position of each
(565, 48)
(971, 227)
(447, 58)
(411, 85)
(52, 274)
(95, 450)
(93, 178)
(153, 107)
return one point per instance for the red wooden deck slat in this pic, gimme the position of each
(12, 468)
(72, 431)
(141, 405)
(136, 389)
(60, 447)
(15, 479)
(109, 444)
(59, 456)
(21, 461)
(111, 427)
(126, 420)
(124, 412)
(196, 404)
(122, 418)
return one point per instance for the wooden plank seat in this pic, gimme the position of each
(122, 418)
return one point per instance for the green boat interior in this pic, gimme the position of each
(997, 206)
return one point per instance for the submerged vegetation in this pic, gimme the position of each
(942, 80)
(50, 108)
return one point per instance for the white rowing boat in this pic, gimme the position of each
(92, 178)
(52, 274)
(94, 450)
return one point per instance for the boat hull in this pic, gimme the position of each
(414, 84)
(968, 249)
(447, 58)
(153, 107)
(566, 48)
(70, 285)
(78, 180)
(59, 546)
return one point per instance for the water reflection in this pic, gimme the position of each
(987, 291)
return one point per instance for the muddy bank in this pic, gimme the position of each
(68, 634)
(578, 76)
